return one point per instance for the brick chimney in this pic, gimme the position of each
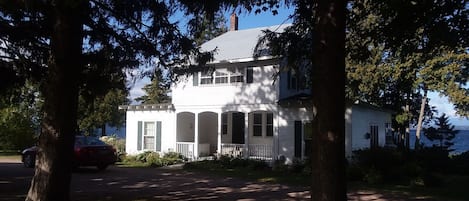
(233, 22)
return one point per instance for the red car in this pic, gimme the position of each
(88, 151)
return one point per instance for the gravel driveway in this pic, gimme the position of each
(145, 184)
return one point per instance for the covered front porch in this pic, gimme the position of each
(232, 133)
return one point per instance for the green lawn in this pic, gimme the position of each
(453, 188)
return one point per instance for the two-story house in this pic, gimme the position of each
(241, 109)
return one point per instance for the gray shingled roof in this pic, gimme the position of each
(237, 45)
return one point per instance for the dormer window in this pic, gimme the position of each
(206, 78)
(222, 76)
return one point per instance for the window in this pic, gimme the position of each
(263, 124)
(233, 76)
(292, 80)
(221, 77)
(270, 125)
(206, 78)
(224, 124)
(236, 76)
(149, 136)
(374, 136)
(308, 138)
(257, 124)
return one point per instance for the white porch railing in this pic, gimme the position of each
(260, 151)
(255, 151)
(186, 149)
(234, 150)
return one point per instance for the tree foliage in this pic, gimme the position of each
(208, 27)
(398, 49)
(102, 111)
(444, 132)
(19, 117)
(70, 48)
(157, 90)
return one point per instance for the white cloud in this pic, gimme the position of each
(444, 106)
(136, 84)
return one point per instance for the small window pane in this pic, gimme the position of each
(257, 129)
(219, 80)
(257, 118)
(224, 120)
(270, 118)
(206, 81)
(236, 78)
(270, 130)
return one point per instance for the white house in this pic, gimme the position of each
(238, 109)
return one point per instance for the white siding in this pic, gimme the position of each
(168, 132)
(362, 118)
(262, 91)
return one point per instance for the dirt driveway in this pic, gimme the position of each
(145, 184)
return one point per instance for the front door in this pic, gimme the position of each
(238, 128)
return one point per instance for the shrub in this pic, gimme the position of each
(384, 165)
(257, 165)
(460, 163)
(153, 159)
(171, 158)
(373, 176)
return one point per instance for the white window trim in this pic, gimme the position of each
(145, 134)
(227, 74)
(263, 125)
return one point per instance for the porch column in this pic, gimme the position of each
(196, 135)
(246, 135)
(220, 114)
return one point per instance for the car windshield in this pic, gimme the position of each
(88, 141)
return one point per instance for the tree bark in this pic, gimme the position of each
(419, 123)
(51, 181)
(328, 89)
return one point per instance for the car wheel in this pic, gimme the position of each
(29, 161)
(102, 167)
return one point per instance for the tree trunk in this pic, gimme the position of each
(51, 181)
(328, 89)
(419, 123)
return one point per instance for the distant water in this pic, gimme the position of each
(461, 141)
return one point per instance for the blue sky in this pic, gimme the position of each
(246, 21)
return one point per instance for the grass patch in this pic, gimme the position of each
(11, 157)
(454, 186)
(246, 172)
(132, 164)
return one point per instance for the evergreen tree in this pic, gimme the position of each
(62, 46)
(208, 27)
(156, 91)
(444, 132)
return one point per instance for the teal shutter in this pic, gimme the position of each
(139, 136)
(195, 80)
(158, 136)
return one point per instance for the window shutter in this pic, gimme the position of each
(158, 136)
(139, 136)
(289, 79)
(195, 79)
(298, 128)
(249, 75)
